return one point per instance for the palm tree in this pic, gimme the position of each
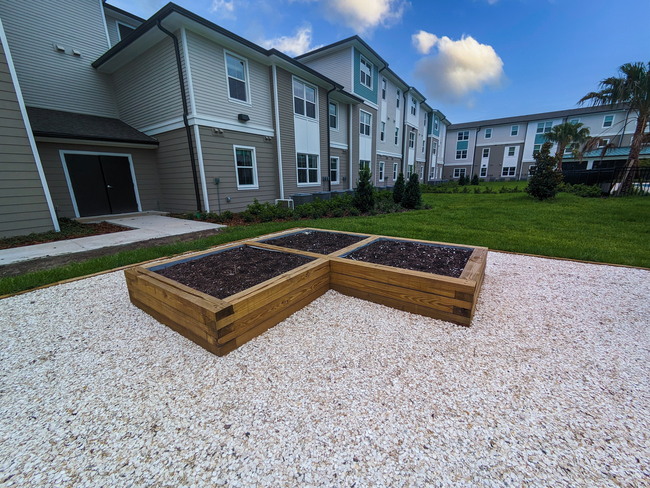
(632, 88)
(567, 135)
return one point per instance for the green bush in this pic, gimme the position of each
(477, 191)
(226, 215)
(338, 212)
(248, 216)
(398, 190)
(461, 180)
(412, 196)
(475, 180)
(354, 212)
(488, 190)
(544, 182)
(582, 190)
(465, 190)
(364, 194)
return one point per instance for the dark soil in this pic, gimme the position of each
(314, 241)
(226, 273)
(446, 261)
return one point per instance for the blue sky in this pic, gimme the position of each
(473, 59)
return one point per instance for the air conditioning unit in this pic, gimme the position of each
(285, 202)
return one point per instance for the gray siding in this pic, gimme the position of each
(23, 207)
(219, 162)
(207, 64)
(391, 108)
(341, 135)
(323, 127)
(336, 66)
(144, 164)
(147, 88)
(343, 167)
(56, 80)
(112, 27)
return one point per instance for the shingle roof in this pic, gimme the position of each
(69, 125)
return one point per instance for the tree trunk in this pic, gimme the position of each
(633, 159)
(559, 154)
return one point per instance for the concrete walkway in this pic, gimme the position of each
(145, 227)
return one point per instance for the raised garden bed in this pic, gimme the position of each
(222, 299)
(317, 241)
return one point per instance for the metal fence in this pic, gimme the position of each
(613, 181)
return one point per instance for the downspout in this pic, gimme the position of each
(350, 146)
(185, 112)
(278, 141)
(329, 155)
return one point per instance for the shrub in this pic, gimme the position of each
(398, 190)
(338, 212)
(227, 215)
(582, 190)
(544, 181)
(412, 196)
(426, 206)
(247, 216)
(364, 194)
(354, 212)
(477, 190)
(488, 190)
(465, 190)
(475, 180)
(461, 180)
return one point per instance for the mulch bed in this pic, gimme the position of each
(225, 273)
(446, 261)
(315, 241)
(69, 230)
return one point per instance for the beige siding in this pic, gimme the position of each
(343, 168)
(207, 63)
(288, 148)
(23, 208)
(147, 88)
(354, 153)
(219, 162)
(56, 80)
(336, 66)
(144, 164)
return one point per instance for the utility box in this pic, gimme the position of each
(302, 198)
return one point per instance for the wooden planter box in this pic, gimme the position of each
(221, 326)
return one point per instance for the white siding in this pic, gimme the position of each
(336, 66)
(211, 88)
(112, 27)
(391, 118)
(59, 80)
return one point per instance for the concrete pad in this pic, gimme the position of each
(145, 227)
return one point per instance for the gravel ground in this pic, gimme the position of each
(549, 387)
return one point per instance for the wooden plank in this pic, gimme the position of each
(364, 234)
(414, 296)
(261, 314)
(197, 254)
(417, 280)
(287, 250)
(352, 247)
(475, 264)
(401, 305)
(427, 242)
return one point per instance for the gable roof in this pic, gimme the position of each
(70, 125)
(348, 40)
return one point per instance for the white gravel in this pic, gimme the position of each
(549, 387)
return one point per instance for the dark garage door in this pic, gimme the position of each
(101, 184)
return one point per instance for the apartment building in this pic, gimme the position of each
(503, 149)
(105, 112)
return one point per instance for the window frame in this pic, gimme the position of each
(304, 100)
(434, 148)
(483, 172)
(509, 168)
(414, 107)
(399, 94)
(412, 140)
(248, 101)
(364, 163)
(318, 176)
(329, 115)
(436, 121)
(459, 152)
(396, 135)
(488, 135)
(421, 172)
(384, 88)
(544, 127)
(369, 125)
(611, 124)
(424, 145)
(514, 152)
(461, 135)
(382, 132)
(459, 170)
(483, 155)
(537, 148)
(381, 170)
(363, 60)
(256, 184)
(395, 168)
(515, 129)
(118, 23)
(338, 170)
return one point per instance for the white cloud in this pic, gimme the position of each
(296, 45)
(459, 67)
(224, 9)
(424, 41)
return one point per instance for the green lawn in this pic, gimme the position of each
(612, 230)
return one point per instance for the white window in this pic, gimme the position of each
(304, 99)
(424, 143)
(246, 167)
(603, 142)
(364, 165)
(307, 169)
(488, 133)
(514, 130)
(237, 70)
(396, 136)
(381, 170)
(508, 171)
(398, 97)
(414, 106)
(574, 121)
(334, 171)
(334, 115)
(434, 148)
(511, 151)
(536, 149)
(421, 172)
(458, 172)
(483, 172)
(383, 88)
(461, 154)
(364, 123)
(463, 135)
(568, 151)
(382, 134)
(410, 169)
(544, 127)
(412, 140)
(486, 152)
(394, 171)
(435, 123)
(123, 30)
(366, 72)
(608, 120)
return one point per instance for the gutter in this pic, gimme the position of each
(278, 141)
(329, 149)
(185, 112)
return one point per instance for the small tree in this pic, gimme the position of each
(461, 180)
(364, 193)
(545, 180)
(475, 180)
(569, 135)
(398, 191)
(412, 195)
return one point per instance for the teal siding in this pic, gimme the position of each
(430, 129)
(362, 90)
(462, 145)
